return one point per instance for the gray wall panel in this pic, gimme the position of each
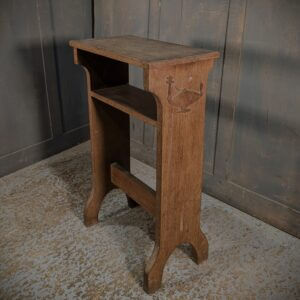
(24, 107)
(71, 19)
(258, 146)
(265, 154)
(200, 24)
(119, 17)
(42, 93)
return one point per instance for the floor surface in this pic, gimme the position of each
(47, 253)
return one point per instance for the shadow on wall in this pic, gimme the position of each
(71, 83)
(259, 125)
(43, 95)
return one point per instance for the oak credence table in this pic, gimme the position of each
(173, 100)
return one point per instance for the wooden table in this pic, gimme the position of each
(173, 100)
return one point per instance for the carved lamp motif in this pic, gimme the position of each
(182, 98)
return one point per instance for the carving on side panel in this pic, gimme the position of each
(182, 98)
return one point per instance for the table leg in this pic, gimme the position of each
(109, 130)
(180, 131)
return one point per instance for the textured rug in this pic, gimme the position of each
(47, 253)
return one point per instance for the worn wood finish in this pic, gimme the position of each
(181, 92)
(143, 53)
(176, 76)
(133, 187)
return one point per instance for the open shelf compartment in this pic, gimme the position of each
(129, 99)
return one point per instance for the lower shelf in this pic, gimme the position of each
(130, 100)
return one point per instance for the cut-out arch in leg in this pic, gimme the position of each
(155, 268)
(200, 247)
(157, 261)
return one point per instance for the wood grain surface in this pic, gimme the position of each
(135, 50)
(179, 93)
(129, 99)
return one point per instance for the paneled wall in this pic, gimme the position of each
(252, 135)
(42, 93)
(257, 163)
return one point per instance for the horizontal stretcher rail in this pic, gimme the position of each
(133, 187)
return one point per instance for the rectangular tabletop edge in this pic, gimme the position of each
(103, 52)
(140, 62)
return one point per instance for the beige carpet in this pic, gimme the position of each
(47, 253)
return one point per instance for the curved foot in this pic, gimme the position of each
(154, 269)
(200, 248)
(131, 203)
(92, 208)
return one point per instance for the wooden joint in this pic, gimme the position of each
(133, 187)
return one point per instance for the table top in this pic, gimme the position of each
(143, 52)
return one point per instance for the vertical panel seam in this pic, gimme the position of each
(221, 88)
(159, 4)
(93, 17)
(236, 92)
(44, 67)
(56, 69)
